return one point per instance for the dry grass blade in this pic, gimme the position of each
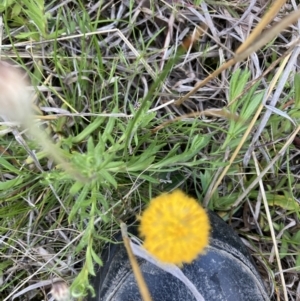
(262, 24)
(56, 255)
(263, 172)
(169, 268)
(220, 113)
(256, 42)
(267, 36)
(267, 209)
(284, 77)
(267, 71)
(119, 33)
(18, 287)
(248, 131)
(135, 266)
(206, 80)
(34, 286)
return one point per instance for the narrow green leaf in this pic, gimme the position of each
(6, 165)
(140, 165)
(89, 260)
(297, 90)
(76, 187)
(251, 105)
(88, 130)
(297, 263)
(109, 178)
(237, 84)
(9, 184)
(109, 126)
(77, 205)
(283, 249)
(96, 258)
(296, 239)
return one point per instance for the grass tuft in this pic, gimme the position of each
(104, 80)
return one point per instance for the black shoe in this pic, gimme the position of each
(225, 272)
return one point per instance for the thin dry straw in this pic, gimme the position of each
(267, 210)
(267, 168)
(245, 136)
(34, 275)
(281, 84)
(263, 39)
(254, 42)
(221, 113)
(267, 18)
(135, 266)
(170, 268)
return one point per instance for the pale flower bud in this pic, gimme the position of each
(15, 100)
(15, 106)
(60, 291)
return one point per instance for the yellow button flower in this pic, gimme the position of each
(175, 228)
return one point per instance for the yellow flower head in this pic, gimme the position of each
(175, 228)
